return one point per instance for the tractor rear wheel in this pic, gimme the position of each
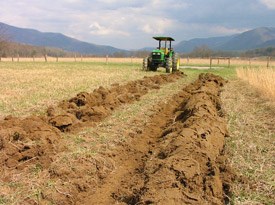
(168, 65)
(175, 62)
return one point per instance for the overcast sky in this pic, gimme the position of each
(130, 24)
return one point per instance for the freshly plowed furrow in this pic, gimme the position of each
(92, 107)
(179, 156)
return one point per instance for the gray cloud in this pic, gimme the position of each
(131, 24)
(269, 4)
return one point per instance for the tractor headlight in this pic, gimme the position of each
(158, 53)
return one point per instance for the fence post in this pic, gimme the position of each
(268, 59)
(33, 59)
(210, 62)
(56, 58)
(17, 57)
(229, 62)
(188, 60)
(45, 56)
(107, 59)
(81, 57)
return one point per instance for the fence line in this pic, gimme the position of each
(46, 58)
(219, 61)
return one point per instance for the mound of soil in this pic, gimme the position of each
(25, 141)
(93, 107)
(186, 169)
(179, 156)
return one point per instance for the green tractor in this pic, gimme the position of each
(163, 56)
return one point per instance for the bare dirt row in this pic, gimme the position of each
(86, 108)
(177, 158)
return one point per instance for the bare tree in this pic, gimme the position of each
(4, 40)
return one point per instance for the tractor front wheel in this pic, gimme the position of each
(168, 65)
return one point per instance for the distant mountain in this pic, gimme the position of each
(256, 38)
(57, 40)
(212, 43)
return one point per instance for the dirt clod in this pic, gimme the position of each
(30, 140)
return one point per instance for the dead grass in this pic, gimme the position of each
(251, 121)
(261, 78)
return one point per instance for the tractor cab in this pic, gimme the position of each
(165, 44)
(162, 56)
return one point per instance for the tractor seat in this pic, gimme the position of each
(166, 50)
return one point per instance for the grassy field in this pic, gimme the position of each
(30, 87)
(251, 120)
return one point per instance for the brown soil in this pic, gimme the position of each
(177, 159)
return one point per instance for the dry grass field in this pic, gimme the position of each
(251, 123)
(83, 157)
(262, 78)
